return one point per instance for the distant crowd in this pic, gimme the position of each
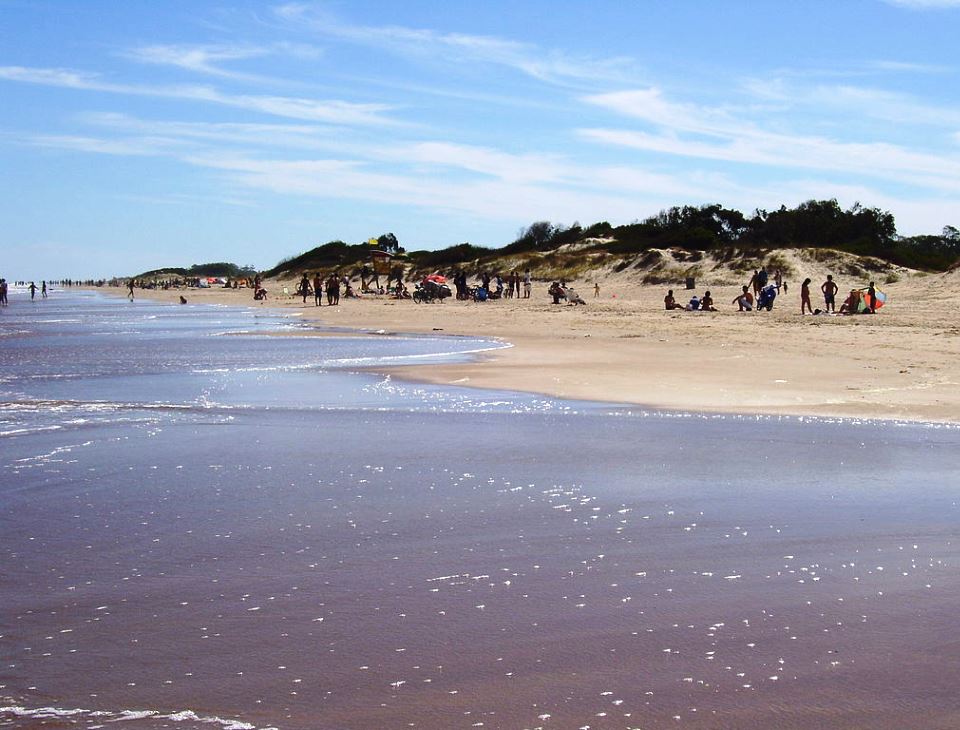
(760, 293)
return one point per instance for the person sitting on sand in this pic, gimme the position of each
(851, 304)
(694, 304)
(556, 291)
(706, 303)
(744, 301)
(805, 297)
(669, 302)
(573, 297)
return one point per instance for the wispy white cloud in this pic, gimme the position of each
(333, 111)
(252, 135)
(463, 48)
(198, 59)
(214, 60)
(849, 101)
(717, 134)
(136, 147)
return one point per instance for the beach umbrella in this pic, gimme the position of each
(863, 305)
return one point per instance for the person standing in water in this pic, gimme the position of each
(43, 289)
(33, 290)
(130, 290)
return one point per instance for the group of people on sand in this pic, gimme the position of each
(559, 290)
(494, 285)
(764, 292)
(318, 286)
(851, 305)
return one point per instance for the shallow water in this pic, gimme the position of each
(242, 531)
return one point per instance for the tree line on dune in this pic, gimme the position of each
(858, 230)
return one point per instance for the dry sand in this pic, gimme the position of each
(903, 363)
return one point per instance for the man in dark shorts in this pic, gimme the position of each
(829, 289)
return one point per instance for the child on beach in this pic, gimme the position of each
(805, 297)
(744, 301)
(829, 289)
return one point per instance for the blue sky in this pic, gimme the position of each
(141, 134)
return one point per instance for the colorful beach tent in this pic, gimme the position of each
(864, 304)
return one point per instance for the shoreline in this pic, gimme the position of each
(622, 349)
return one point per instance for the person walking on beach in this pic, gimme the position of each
(526, 284)
(805, 297)
(43, 289)
(317, 290)
(130, 290)
(829, 289)
(33, 290)
(3, 292)
(303, 288)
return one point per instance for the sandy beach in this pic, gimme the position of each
(903, 363)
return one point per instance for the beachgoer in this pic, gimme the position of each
(318, 289)
(851, 304)
(829, 289)
(33, 290)
(762, 277)
(43, 288)
(805, 297)
(596, 290)
(556, 291)
(183, 299)
(767, 295)
(694, 304)
(3, 293)
(129, 290)
(744, 301)
(669, 302)
(526, 284)
(333, 290)
(303, 288)
(754, 282)
(872, 298)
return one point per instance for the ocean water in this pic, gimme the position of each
(203, 524)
